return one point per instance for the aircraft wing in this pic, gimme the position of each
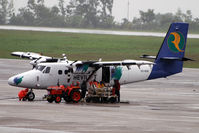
(113, 63)
(122, 63)
(83, 66)
(29, 55)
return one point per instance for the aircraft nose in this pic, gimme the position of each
(11, 81)
(15, 80)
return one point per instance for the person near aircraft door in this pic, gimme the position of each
(83, 88)
(117, 89)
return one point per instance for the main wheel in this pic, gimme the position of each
(75, 96)
(30, 96)
(58, 99)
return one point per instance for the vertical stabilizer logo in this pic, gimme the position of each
(176, 42)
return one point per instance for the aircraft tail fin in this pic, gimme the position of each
(170, 57)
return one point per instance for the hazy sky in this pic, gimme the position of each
(120, 6)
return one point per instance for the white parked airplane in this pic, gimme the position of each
(48, 71)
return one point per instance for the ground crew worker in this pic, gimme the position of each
(117, 89)
(83, 88)
(22, 94)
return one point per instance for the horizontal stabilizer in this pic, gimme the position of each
(148, 56)
(176, 58)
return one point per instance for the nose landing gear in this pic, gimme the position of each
(26, 94)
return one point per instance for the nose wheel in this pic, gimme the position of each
(30, 96)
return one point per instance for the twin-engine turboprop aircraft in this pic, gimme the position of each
(48, 71)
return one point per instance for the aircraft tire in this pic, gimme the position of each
(75, 96)
(57, 99)
(30, 96)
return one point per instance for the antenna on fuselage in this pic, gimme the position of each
(65, 57)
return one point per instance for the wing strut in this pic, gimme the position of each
(96, 68)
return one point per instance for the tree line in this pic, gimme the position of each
(88, 14)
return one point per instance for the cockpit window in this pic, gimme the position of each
(47, 70)
(40, 68)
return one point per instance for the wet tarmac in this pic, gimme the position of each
(168, 105)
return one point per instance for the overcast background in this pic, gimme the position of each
(120, 6)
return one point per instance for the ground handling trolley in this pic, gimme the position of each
(69, 94)
(101, 94)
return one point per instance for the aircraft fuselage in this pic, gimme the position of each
(52, 74)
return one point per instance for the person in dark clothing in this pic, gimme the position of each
(83, 88)
(117, 89)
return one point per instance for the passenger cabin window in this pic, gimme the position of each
(60, 72)
(47, 70)
(40, 68)
(66, 72)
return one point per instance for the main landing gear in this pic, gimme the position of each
(26, 94)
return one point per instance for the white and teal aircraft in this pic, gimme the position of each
(48, 71)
